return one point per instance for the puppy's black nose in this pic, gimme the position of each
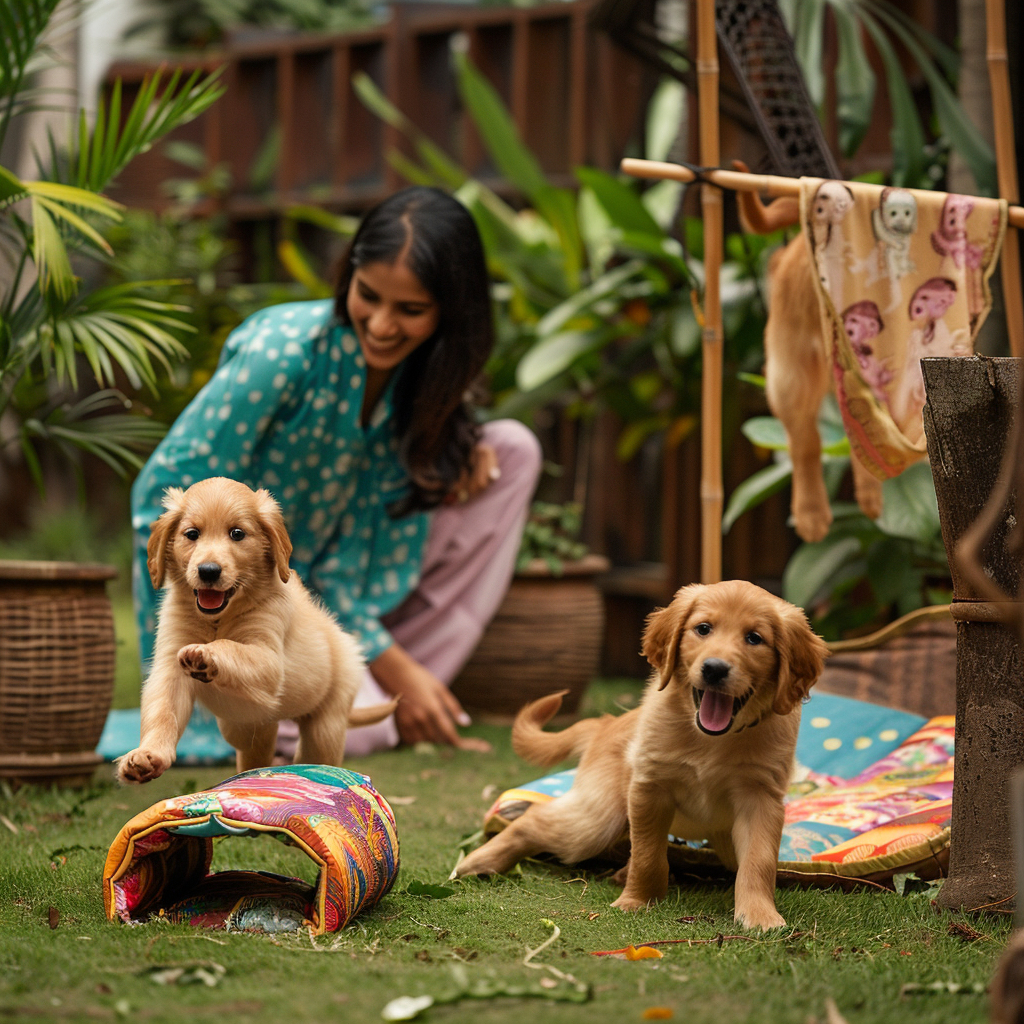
(209, 572)
(713, 671)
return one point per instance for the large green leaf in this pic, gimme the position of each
(498, 131)
(813, 567)
(964, 137)
(807, 41)
(756, 488)
(606, 284)
(909, 507)
(907, 134)
(620, 201)
(855, 81)
(664, 117)
(553, 355)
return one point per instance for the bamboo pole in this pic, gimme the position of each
(711, 491)
(1006, 165)
(740, 181)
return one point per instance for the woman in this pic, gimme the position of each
(404, 513)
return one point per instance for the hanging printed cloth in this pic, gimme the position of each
(159, 864)
(902, 274)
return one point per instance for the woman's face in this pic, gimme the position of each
(391, 312)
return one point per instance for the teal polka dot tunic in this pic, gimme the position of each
(282, 412)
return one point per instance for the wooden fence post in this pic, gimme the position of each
(968, 421)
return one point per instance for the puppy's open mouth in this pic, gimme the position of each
(209, 602)
(717, 711)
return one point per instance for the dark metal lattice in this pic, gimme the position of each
(773, 100)
(758, 46)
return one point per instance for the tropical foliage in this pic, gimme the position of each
(598, 301)
(889, 30)
(51, 326)
(864, 571)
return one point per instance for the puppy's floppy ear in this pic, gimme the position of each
(277, 533)
(663, 632)
(160, 534)
(802, 656)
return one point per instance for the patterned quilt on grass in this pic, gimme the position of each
(872, 795)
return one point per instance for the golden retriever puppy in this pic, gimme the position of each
(797, 370)
(708, 754)
(239, 632)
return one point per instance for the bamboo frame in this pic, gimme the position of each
(712, 494)
(741, 181)
(1006, 166)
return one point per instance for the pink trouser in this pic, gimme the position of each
(465, 573)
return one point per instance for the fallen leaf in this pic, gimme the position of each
(54, 917)
(548, 983)
(401, 801)
(632, 953)
(961, 930)
(490, 791)
(593, 917)
(406, 1007)
(8, 824)
(657, 1013)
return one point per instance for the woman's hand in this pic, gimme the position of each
(428, 711)
(482, 473)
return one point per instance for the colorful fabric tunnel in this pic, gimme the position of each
(159, 864)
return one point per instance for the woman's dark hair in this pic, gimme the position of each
(442, 247)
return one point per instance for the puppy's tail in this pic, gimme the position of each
(372, 714)
(758, 218)
(532, 744)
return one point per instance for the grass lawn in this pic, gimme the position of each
(861, 949)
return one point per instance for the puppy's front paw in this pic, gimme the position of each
(631, 903)
(142, 766)
(765, 917)
(198, 661)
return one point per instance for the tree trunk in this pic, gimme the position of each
(968, 418)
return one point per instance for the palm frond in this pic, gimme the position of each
(22, 23)
(97, 156)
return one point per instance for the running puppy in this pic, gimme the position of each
(240, 633)
(707, 755)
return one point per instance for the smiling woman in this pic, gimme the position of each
(405, 514)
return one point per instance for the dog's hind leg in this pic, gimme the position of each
(573, 828)
(322, 738)
(254, 744)
(797, 379)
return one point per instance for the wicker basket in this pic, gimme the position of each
(546, 636)
(56, 669)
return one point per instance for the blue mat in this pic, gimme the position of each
(201, 742)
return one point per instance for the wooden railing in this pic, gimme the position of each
(575, 96)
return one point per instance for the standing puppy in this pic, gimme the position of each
(240, 633)
(707, 755)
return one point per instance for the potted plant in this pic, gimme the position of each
(547, 633)
(57, 637)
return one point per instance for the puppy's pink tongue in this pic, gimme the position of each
(715, 710)
(210, 598)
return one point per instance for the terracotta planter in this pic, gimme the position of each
(546, 636)
(56, 669)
